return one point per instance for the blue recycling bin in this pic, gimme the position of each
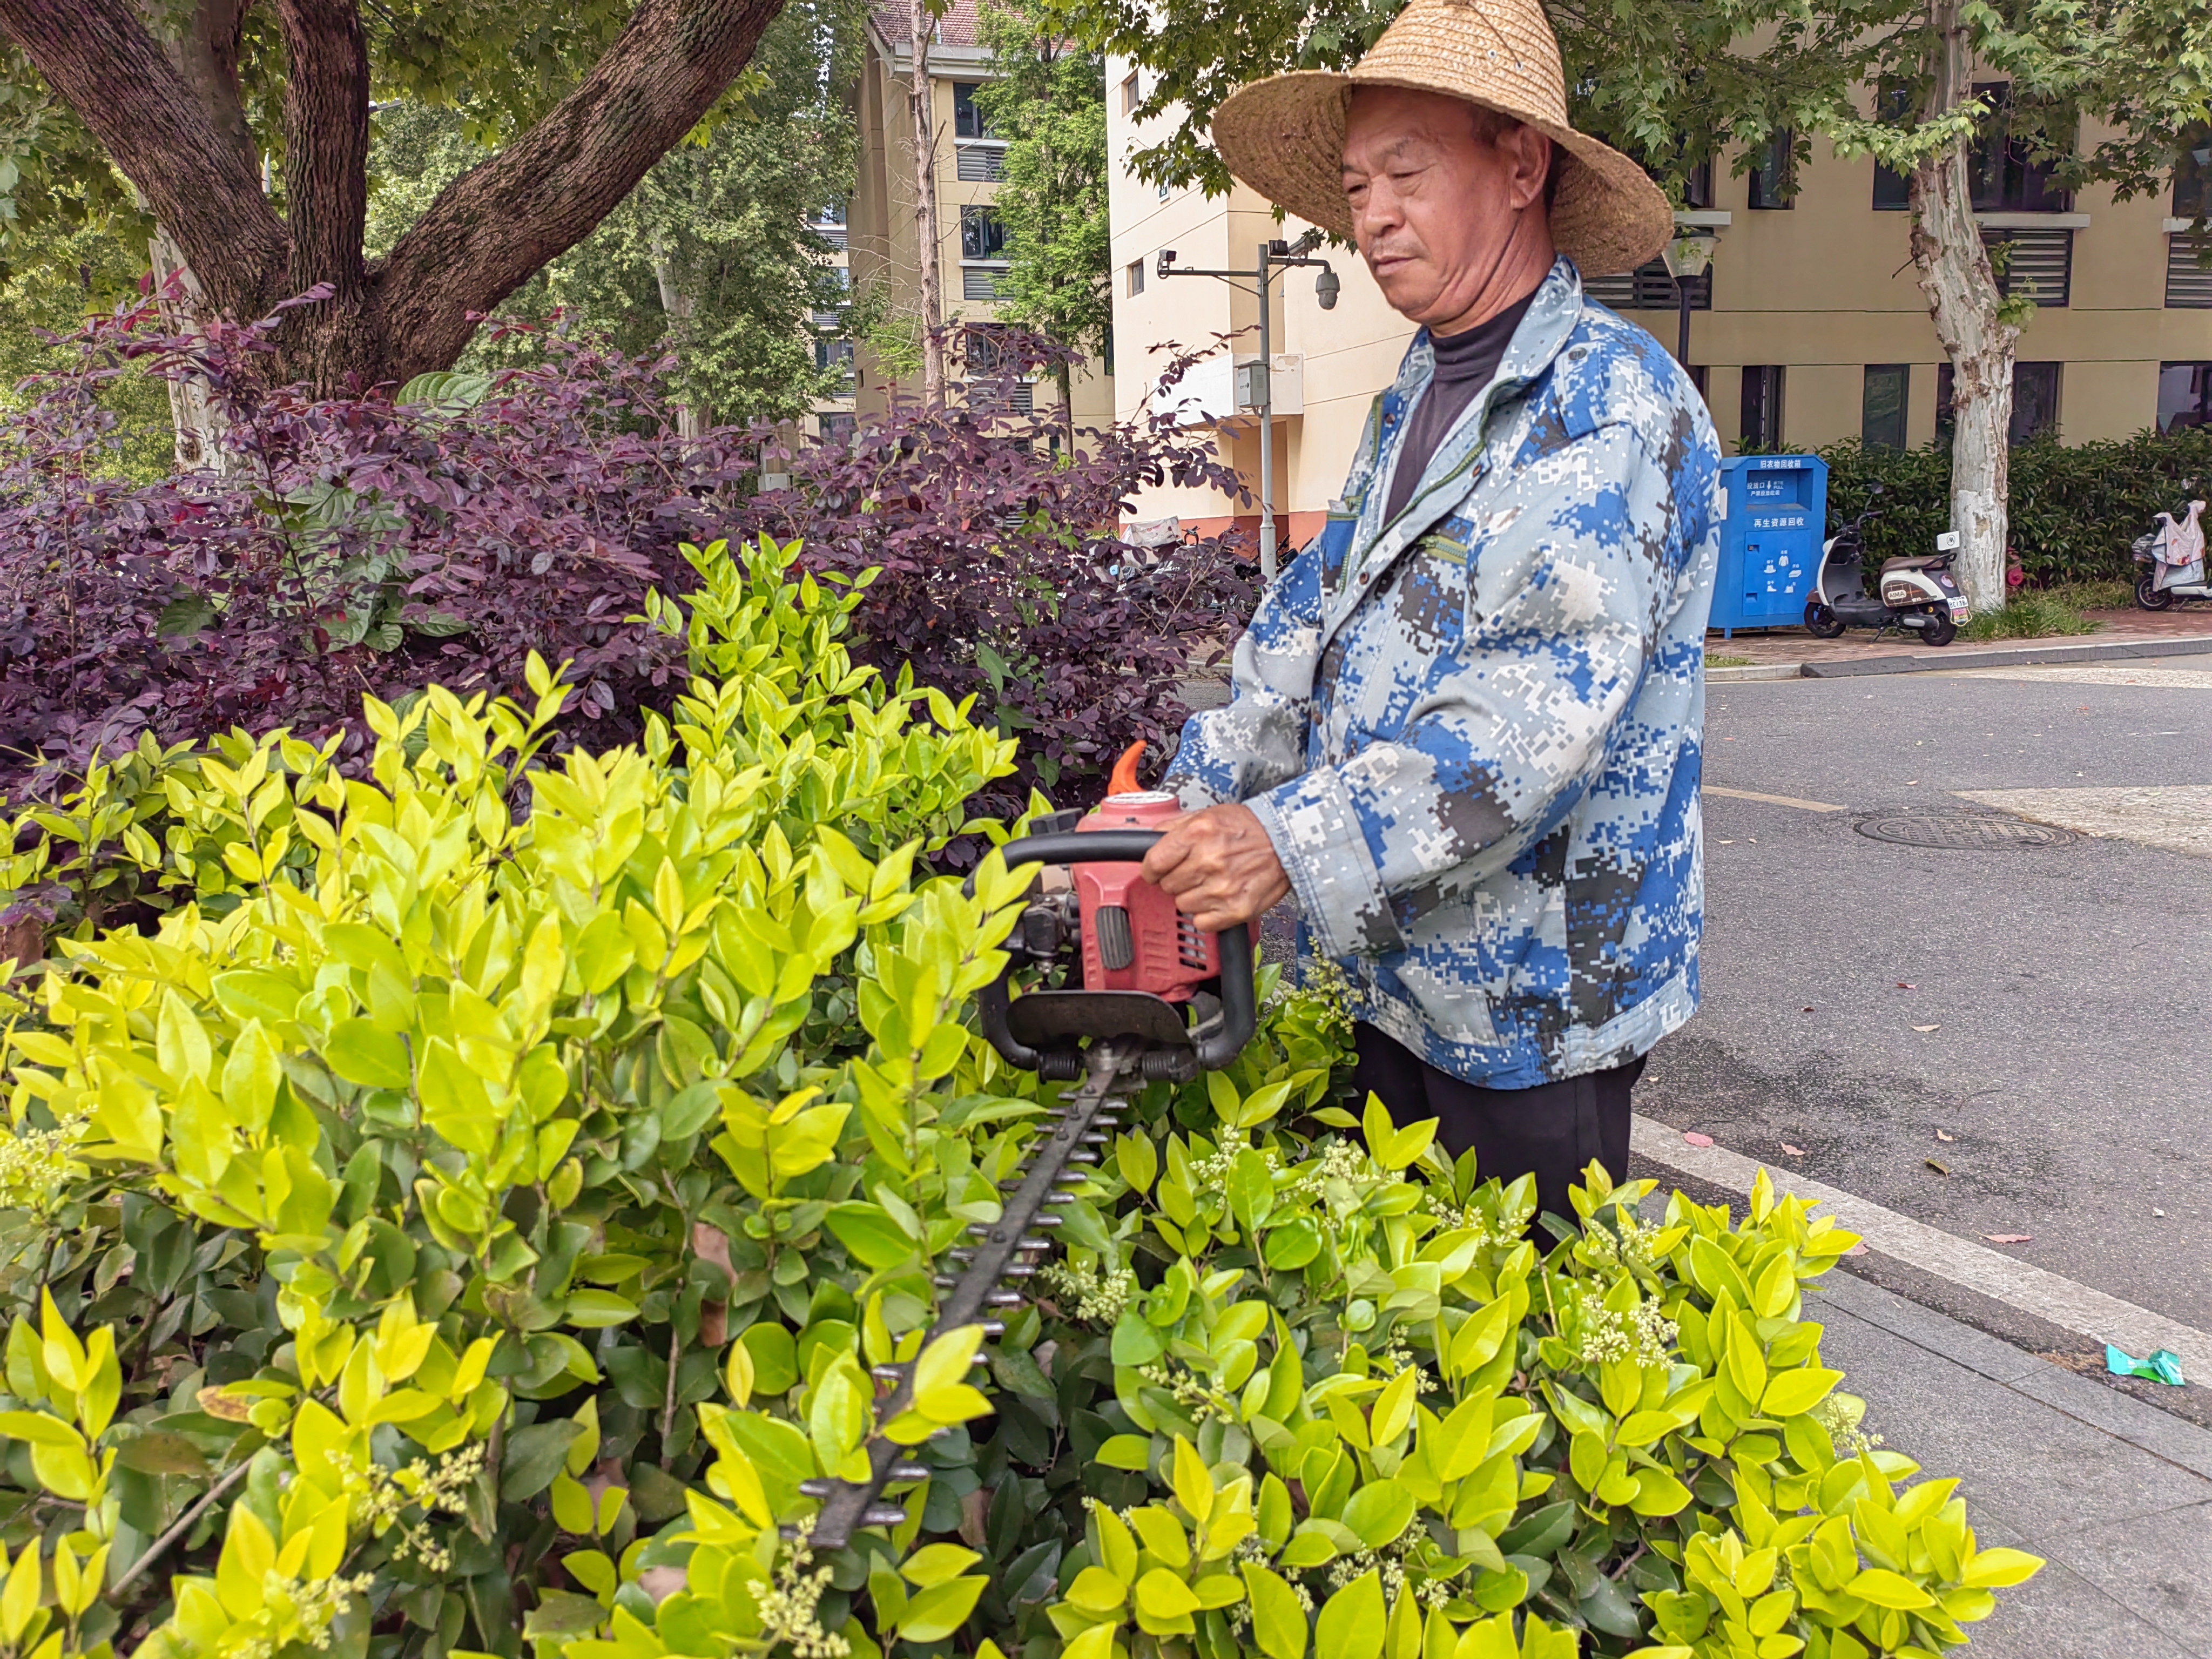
(1774, 514)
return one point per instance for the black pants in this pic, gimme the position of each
(1552, 1130)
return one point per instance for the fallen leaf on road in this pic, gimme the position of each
(1697, 1139)
(1941, 1135)
(1794, 1152)
(1906, 984)
(1857, 1250)
(1809, 1009)
(2010, 1238)
(1940, 1169)
(1936, 1027)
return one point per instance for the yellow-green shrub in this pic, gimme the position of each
(484, 1195)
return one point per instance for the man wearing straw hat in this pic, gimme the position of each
(1465, 728)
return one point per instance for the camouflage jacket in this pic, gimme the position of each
(1472, 733)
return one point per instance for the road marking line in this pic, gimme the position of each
(1771, 800)
(2049, 1297)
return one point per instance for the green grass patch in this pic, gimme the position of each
(1713, 661)
(2037, 616)
(2113, 595)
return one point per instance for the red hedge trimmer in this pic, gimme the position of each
(1133, 970)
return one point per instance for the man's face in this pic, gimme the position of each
(1435, 198)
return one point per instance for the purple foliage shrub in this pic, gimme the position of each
(1005, 575)
(362, 545)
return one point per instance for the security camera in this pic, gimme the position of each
(1166, 258)
(1327, 287)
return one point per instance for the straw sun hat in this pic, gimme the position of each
(1285, 136)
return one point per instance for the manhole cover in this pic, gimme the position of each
(1970, 831)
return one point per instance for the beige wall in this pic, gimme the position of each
(1824, 289)
(883, 220)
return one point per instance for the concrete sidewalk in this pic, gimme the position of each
(2115, 1494)
(1792, 653)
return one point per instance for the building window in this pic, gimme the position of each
(2035, 264)
(837, 428)
(979, 283)
(2034, 401)
(1761, 425)
(967, 120)
(1774, 171)
(1134, 276)
(2185, 396)
(1883, 405)
(983, 232)
(2191, 168)
(2189, 271)
(1892, 191)
(835, 356)
(1697, 186)
(1130, 98)
(981, 162)
(2006, 177)
(1649, 287)
(985, 348)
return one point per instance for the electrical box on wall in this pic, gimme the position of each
(1288, 392)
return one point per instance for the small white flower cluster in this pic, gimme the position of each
(1633, 1245)
(788, 1608)
(35, 1165)
(1252, 1548)
(1086, 1296)
(312, 1608)
(1190, 1393)
(1453, 1218)
(1325, 995)
(1642, 1334)
(1340, 1160)
(1840, 1415)
(388, 1494)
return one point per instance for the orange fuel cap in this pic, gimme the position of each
(1124, 778)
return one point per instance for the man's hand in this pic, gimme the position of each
(1221, 866)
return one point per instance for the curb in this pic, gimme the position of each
(2010, 657)
(1758, 670)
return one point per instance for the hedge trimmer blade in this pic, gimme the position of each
(1079, 1130)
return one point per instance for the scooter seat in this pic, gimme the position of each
(1931, 561)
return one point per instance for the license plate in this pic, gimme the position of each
(1958, 609)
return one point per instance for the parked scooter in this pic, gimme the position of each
(1918, 594)
(2174, 554)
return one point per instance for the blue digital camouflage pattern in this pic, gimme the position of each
(1472, 733)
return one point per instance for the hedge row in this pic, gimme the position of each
(2075, 507)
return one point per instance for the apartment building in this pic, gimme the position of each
(834, 414)
(966, 169)
(1809, 327)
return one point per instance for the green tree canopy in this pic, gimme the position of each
(713, 255)
(2105, 91)
(243, 127)
(1049, 103)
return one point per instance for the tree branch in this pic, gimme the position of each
(214, 1495)
(504, 219)
(203, 184)
(325, 143)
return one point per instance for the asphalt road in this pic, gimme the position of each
(2067, 1084)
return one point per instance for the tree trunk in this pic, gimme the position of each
(1963, 300)
(169, 118)
(920, 106)
(194, 416)
(692, 421)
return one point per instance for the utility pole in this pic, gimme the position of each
(1274, 257)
